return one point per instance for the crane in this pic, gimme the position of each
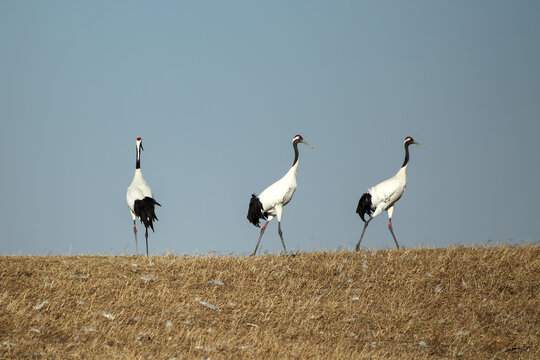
(140, 199)
(269, 203)
(383, 196)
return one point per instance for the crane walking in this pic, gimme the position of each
(270, 202)
(383, 196)
(140, 200)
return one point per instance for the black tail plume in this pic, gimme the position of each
(364, 206)
(255, 211)
(145, 210)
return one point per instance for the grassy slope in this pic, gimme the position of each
(473, 303)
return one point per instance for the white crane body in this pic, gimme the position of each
(384, 195)
(279, 193)
(139, 189)
(140, 200)
(269, 203)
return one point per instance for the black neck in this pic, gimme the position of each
(406, 161)
(138, 163)
(295, 146)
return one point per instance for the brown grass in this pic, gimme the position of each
(467, 303)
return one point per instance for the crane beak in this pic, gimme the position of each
(306, 143)
(417, 143)
(142, 146)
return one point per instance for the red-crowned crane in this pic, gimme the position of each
(383, 196)
(270, 202)
(140, 200)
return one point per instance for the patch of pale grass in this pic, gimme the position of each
(470, 303)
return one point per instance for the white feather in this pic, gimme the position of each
(279, 193)
(138, 190)
(386, 193)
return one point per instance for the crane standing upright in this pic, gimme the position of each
(141, 200)
(270, 202)
(383, 196)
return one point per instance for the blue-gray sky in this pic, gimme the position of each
(218, 89)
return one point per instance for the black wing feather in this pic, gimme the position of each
(145, 210)
(255, 211)
(364, 206)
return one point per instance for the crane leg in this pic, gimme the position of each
(260, 237)
(135, 232)
(392, 232)
(281, 236)
(146, 236)
(361, 236)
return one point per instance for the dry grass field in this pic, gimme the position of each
(455, 303)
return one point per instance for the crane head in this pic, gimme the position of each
(299, 138)
(139, 143)
(409, 140)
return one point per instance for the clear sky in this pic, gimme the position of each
(218, 89)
